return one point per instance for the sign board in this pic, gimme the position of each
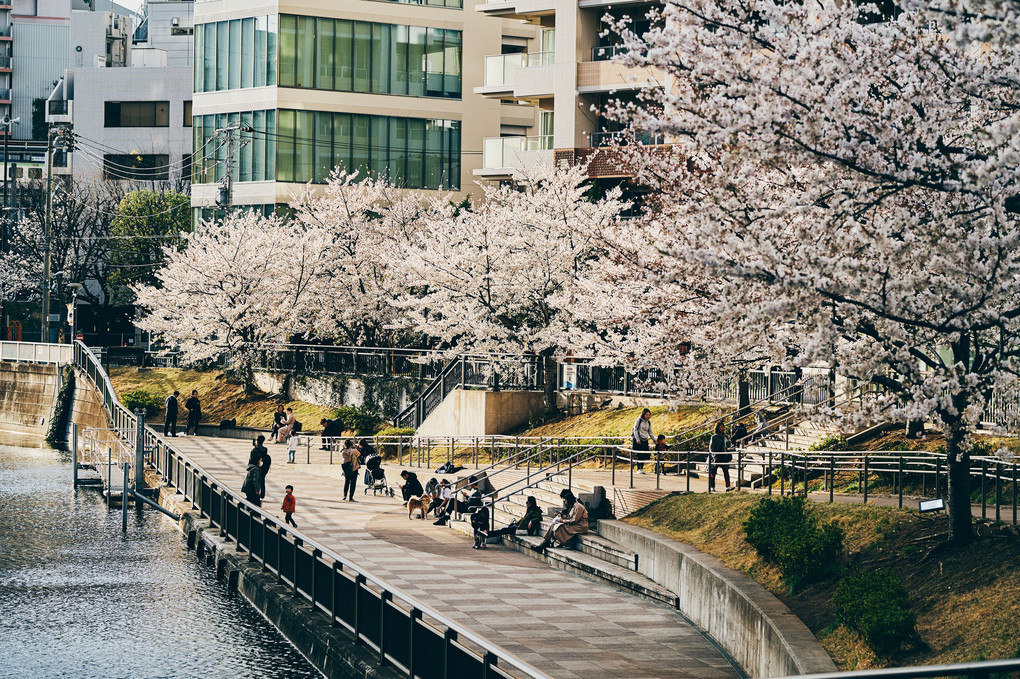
(936, 505)
(569, 376)
(54, 318)
(80, 337)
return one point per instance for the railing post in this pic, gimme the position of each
(832, 477)
(984, 495)
(631, 458)
(998, 491)
(1013, 494)
(359, 580)
(74, 448)
(297, 548)
(449, 636)
(124, 501)
(688, 471)
(316, 555)
(413, 618)
(139, 449)
(476, 452)
(384, 598)
(865, 484)
(938, 474)
(899, 482)
(769, 473)
(489, 661)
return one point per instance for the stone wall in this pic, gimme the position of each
(385, 396)
(474, 412)
(754, 627)
(28, 395)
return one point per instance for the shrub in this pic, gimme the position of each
(396, 431)
(876, 605)
(140, 398)
(785, 534)
(357, 420)
(832, 442)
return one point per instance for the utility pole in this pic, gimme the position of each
(225, 199)
(47, 230)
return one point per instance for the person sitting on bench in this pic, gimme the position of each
(571, 522)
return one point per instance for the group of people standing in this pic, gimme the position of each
(719, 447)
(172, 408)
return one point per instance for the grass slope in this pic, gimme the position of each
(222, 398)
(620, 421)
(967, 600)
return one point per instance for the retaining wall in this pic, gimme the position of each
(752, 625)
(474, 412)
(28, 396)
(386, 396)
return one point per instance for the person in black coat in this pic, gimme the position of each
(412, 486)
(194, 407)
(260, 456)
(330, 429)
(170, 421)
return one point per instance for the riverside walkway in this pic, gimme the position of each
(561, 623)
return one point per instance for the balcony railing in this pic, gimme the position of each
(607, 52)
(5, 62)
(5, 95)
(602, 139)
(500, 152)
(499, 68)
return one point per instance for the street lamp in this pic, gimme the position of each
(8, 123)
(72, 308)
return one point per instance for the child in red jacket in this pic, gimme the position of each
(289, 505)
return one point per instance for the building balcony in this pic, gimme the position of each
(609, 156)
(501, 156)
(516, 9)
(5, 63)
(518, 76)
(5, 96)
(59, 111)
(5, 33)
(608, 76)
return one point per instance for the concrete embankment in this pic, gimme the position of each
(331, 649)
(28, 395)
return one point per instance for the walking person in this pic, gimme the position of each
(194, 407)
(641, 436)
(170, 421)
(718, 457)
(288, 506)
(252, 485)
(349, 463)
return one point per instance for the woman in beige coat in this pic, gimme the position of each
(571, 522)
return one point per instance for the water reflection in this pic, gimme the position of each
(78, 599)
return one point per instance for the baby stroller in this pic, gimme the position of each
(375, 477)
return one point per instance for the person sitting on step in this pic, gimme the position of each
(571, 522)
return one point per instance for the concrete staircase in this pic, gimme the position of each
(592, 556)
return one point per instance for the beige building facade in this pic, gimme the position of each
(285, 91)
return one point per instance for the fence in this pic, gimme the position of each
(35, 352)
(412, 637)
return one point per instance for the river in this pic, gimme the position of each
(79, 599)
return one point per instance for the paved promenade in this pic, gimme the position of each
(563, 624)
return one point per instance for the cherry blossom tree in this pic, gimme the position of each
(487, 279)
(849, 187)
(238, 286)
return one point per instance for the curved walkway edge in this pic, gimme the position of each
(745, 619)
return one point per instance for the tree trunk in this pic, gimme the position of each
(915, 429)
(958, 471)
(743, 394)
(550, 383)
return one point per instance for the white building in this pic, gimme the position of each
(134, 123)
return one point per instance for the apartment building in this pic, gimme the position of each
(384, 87)
(566, 71)
(133, 123)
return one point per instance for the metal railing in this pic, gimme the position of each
(414, 638)
(36, 352)
(5, 61)
(607, 52)
(341, 360)
(500, 68)
(608, 139)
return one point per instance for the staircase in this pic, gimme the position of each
(593, 556)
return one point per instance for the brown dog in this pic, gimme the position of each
(415, 503)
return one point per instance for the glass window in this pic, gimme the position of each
(233, 119)
(362, 56)
(209, 58)
(415, 152)
(323, 146)
(222, 54)
(453, 156)
(258, 144)
(271, 144)
(324, 54)
(197, 140)
(271, 50)
(199, 61)
(342, 140)
(187, 114)
(303, 146)
(434, 154)
(261, 37)
(137, 114)
(398, 60)
(288, 50)
(398, 151)
(344, 55)
(306, 52)
(234, 76)
(380, 58)
(247, 51)
(247, 151)
(451, 64)
(379, 146)
(285, 143)
(416, 61)
(359, 142)
(434, 62)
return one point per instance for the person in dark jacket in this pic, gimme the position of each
(531, 522)
(194, 407)
(480, 526)
(278, 417)
(251, 485)
(331, 429)
(170, 421)
(718, 458)
(412, 486)
(260, 456)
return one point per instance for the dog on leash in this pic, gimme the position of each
(420, 504)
